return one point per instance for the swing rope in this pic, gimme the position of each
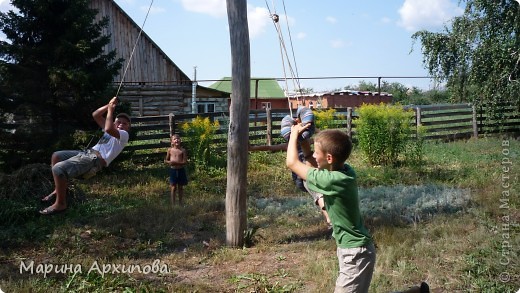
(292, 51)
(133, 49)
(284, 55)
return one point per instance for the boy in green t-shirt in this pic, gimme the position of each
(336, 180)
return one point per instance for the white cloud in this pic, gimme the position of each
(337, 43)
(420, 14)
(301, 35)
(216, 8)
(331, 19)
(258, 19)
(5, 5)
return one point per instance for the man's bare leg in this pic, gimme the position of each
(54, 160)
(61, 196)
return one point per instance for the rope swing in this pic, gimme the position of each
(133, 49)
(284, 54)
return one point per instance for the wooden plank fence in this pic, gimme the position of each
(443, 122)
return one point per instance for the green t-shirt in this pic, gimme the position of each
(340, 193)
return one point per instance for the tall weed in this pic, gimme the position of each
(414, 151)
(383, 132)
(200, 133)
(325, 118)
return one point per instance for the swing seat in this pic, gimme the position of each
(305, 116)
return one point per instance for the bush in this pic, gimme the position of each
(383, 132)
(325, 119)
(415, 149)
(200, 133)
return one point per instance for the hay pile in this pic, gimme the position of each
(29, 182)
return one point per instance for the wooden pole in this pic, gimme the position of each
(417, 121)
(474, 120)
(171, 122)
(269, 121)
(237, 154)
(349, 121)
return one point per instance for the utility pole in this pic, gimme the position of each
(237, 154)
(194, 92)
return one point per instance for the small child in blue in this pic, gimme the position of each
(177, 158)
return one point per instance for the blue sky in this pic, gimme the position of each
(330, 38)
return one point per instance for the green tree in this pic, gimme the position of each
(53, 67)
(366, 86)
(478, 54)
(400, 93)
(306, 90)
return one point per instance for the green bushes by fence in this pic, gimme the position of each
(444, 122)
(383, 132)
(200, 133)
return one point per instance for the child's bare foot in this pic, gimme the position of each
(52, 210)
(49, 197)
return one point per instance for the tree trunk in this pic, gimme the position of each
(237, 148)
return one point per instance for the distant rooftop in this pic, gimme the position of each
(349, 93)
(267, 88)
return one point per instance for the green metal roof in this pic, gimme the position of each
(267, 88)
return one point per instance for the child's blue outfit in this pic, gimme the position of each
(178, 176)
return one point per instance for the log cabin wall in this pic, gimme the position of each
(158, 99)
(149, 64)
(154, 100)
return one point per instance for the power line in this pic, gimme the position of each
(327, 77)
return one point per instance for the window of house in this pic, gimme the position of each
(205, 108)
(266, 105)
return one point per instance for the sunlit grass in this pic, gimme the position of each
(440, 221)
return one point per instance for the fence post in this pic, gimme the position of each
(171, 122)
(269, 122)
(417, 121)
(349, 121)
(481, 119)
(141, 107)
(475, 127)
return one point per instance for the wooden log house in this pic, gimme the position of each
(153, 83)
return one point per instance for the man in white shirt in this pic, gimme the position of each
(71, 164)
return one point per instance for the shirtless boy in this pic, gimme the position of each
(176, 158)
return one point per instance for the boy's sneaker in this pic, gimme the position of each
(424, 288)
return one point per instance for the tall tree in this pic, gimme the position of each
(478, 55)
(53, 64)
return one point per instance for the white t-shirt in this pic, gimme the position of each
(110, 147)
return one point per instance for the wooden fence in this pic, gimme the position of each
(443, 122)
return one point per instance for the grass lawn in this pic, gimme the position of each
(451, 221)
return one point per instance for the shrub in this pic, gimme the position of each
(415, 149)
(325, 119)
(199, 132)
(383, 132)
